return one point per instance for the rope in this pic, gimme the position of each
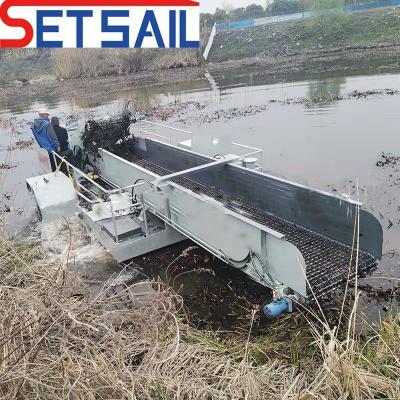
(68, 167)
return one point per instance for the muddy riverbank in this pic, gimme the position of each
(380, 57)
(314, 63)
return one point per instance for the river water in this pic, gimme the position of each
(332, 144)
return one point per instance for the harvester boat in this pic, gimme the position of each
(143, 193)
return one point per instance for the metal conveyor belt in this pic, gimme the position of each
(327, 261)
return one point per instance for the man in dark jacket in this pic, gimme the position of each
(62, 136)
(65, 151)
(46, 137)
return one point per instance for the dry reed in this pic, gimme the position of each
(74, 63)
(59, 340)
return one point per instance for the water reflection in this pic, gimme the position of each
(146, 96)
(328, 90)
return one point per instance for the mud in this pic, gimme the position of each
(380, 57)
(91, 90)
(215, 295)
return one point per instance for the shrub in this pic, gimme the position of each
(329, 17)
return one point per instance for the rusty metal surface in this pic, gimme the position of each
(327, 261)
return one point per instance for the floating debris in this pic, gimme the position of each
(388, 159)
(21, 145)
(377, 92)
(311, 101)
(231, 113)
(386, 294)
(5, 166)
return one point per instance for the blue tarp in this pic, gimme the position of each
(369, 6)
(247, 23)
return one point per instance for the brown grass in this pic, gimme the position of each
(58, 340)
(74, 63)
(13, 54)
(3, 78)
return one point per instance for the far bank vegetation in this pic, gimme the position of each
(74, 63)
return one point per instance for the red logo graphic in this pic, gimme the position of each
(28, 29)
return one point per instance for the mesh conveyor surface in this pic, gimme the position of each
(327, 261)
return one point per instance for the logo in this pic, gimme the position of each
(99, 23)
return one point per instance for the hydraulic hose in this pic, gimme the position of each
(272, 281)
(242, 263)
(133, 189)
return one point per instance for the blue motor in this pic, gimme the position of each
(277, 308)
(140, 117)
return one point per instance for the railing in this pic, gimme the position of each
(105, 203)
(168, 139)
(107, 193)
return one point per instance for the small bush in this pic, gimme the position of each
(329, 17)
(2, 77)
(128, 61)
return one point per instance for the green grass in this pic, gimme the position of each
(356, 30)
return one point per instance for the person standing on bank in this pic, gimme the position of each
(46, 137)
